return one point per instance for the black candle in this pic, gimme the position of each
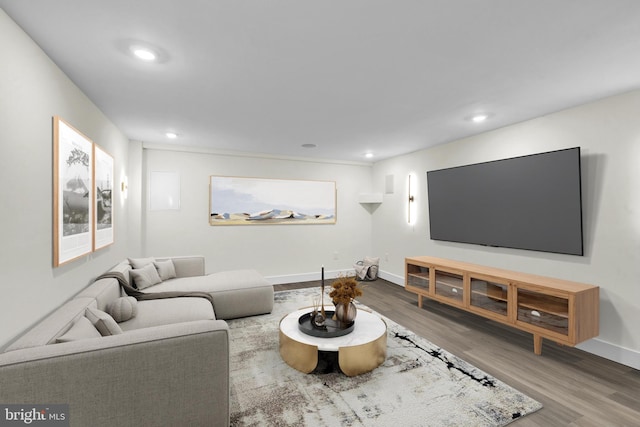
(322, 289)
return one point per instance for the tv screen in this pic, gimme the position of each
(530, 202)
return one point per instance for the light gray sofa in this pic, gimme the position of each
(167, 365)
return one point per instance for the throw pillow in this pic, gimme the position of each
(145, 276)
(123, 309)
(166, 269)
(102, 321)
(81, 329)
(140, 262)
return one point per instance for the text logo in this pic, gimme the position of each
(34, 415)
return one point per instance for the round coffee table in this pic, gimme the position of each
(360, 351)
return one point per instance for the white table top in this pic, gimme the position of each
(367, 328)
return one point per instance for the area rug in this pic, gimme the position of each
(419, 384)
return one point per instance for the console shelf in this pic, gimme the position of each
(560, 310)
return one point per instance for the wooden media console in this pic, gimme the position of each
(560, 310)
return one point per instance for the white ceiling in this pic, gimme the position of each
(351, 76)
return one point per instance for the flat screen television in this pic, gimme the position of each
(531, 202)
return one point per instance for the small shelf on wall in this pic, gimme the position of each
(370, 198)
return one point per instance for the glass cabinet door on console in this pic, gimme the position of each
(418, 277)
(544, 311)
(449, 285)
(490, 296)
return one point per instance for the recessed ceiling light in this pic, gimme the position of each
(479, 118)
(143, 50)
(309, 145)
(171, 135)
(144, 53)
(369, 155)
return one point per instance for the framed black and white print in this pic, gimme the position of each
(73, 201)
(103, 182)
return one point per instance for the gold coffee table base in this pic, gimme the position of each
(359, 359)
(302, 357)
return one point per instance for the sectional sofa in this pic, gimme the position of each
(159, 358)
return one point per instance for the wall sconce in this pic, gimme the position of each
(124, 186)
(410, 201)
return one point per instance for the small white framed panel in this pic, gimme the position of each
(164, 191)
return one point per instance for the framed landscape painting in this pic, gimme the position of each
(103, 183)
(251, 201)
(72, 193)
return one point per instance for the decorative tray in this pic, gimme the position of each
(331, 329)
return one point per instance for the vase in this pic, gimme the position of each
(346, 313)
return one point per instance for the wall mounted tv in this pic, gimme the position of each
(530, 202)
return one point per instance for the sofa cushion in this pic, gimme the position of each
(140, 262)
(215, 282)
(123, 308)
(103, 322)
(166, 269)
(157, 312)
(81, 329)
(145, 276)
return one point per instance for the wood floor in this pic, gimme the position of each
(576, 388)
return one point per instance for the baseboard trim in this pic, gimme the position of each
(306, 277)
(393, 278)
(624, 356)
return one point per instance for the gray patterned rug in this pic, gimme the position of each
(419, 384)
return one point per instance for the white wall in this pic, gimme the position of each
(283, 253)
(32, 91)
(608, 132)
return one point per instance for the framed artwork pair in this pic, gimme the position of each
(83, 185)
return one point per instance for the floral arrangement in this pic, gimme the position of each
(344, 290)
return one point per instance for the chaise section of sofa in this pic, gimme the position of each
(235, 293)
